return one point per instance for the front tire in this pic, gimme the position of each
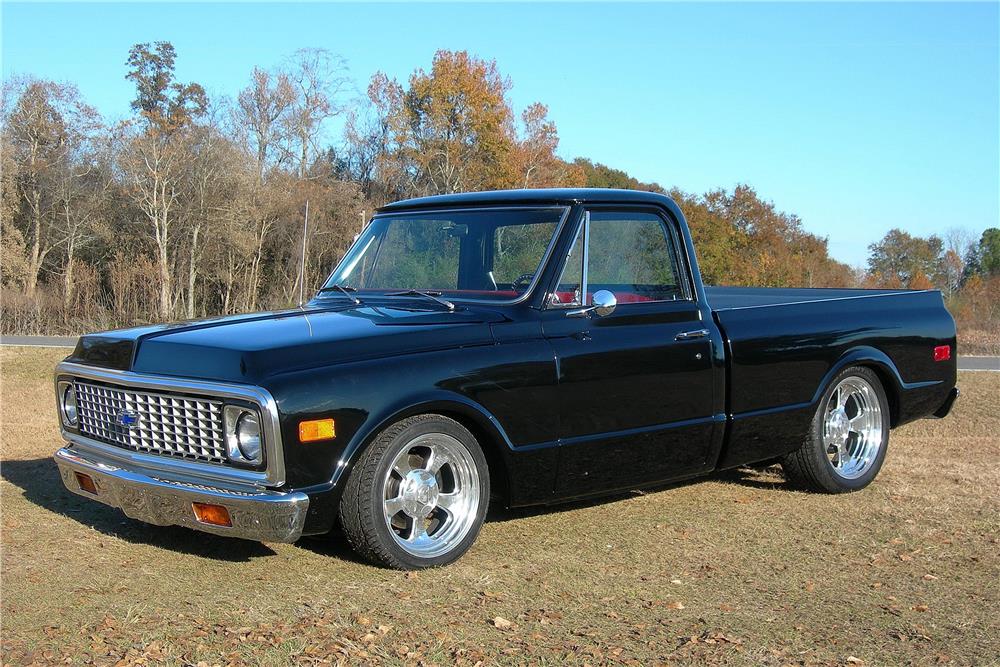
(848, 438)
(418, 495)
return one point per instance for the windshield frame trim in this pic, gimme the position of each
(546, 256)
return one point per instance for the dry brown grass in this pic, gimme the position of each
(981, 342)
(735, 569)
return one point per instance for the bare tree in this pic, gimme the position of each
(320, 79)
(46, 129)
(538, 148)
(157, 151)
(81, 190)
(261, 116)
(153, 166)
(212, 183)
(371, 155)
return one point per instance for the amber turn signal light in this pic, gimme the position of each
(215, 515)
(316, 429)
(86, 483)
(942, 353)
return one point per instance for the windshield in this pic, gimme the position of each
(491, 254)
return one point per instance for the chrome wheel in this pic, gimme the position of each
(431, 495)
(852, 427)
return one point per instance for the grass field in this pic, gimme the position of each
(735, 570)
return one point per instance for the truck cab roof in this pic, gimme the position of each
(541, 196)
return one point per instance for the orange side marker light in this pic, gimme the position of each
(316, 429)
(215, 515)
(86, 482)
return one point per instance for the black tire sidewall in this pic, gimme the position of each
(817, 451)
(423, 426)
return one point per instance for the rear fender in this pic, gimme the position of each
(896, 389)
(774, 432)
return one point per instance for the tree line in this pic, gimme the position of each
(194, 206)
(964, 268)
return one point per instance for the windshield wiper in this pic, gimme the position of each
(343, 289)
(429, 295)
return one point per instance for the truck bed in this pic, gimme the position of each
(783, 344)
(731, 298)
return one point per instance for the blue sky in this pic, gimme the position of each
(857, 117)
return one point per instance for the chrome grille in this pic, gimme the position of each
(164, 424)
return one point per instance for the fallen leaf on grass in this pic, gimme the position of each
(676, 604)
(501, 623)
(929, 577)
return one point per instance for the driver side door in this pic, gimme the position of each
(635, 386)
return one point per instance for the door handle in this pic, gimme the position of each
(689, 335)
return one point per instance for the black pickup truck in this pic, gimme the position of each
(521, 347)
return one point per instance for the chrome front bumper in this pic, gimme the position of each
(255, 514)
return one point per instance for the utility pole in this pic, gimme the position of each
(302, 266)
(363, 219)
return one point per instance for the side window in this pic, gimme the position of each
(568, 290)
(631, 254)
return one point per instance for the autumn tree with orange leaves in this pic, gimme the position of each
(452, 129)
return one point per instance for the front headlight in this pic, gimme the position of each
(243, 439)
(67, 404)
(248, 436)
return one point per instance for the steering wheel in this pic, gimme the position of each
(524, 278)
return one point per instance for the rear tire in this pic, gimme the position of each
(417, 496)
(848, 437)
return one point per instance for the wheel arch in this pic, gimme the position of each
(483, 425)
(880, 364)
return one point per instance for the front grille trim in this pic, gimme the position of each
(166, 424)
(270, 476)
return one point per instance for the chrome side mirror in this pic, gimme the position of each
(603, 304)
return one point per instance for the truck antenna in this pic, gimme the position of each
(302, 266)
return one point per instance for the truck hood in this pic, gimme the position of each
(250, 348)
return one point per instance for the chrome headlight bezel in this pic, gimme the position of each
(244, 435)
(69, 408)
